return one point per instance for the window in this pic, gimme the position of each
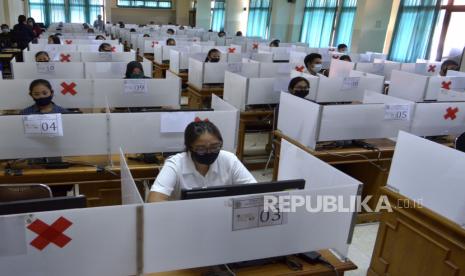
(345, 23)
(75, 11)
(414, 30)
(447, 42)
(259, 18)
(328, 22)
(155, 4)
(217, 15)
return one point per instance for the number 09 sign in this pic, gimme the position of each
(250, 213)
(47, 125)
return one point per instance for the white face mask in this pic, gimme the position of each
(5, 30)
(317, 67)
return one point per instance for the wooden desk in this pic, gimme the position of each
(100, 187)
(355, 162)
(277, 269)
(201, 97)
(413, 240)
(258, 120)
(159, 70)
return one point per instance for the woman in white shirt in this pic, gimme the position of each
(203, 164)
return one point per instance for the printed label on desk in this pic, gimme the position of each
(135, 86)
(399, 112)
(45, 67)
(350, 83)
(48, 125)
(249, 213)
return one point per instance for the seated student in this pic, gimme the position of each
(342, 48)
(42, 56)
(171, 42)
(105, 47)
(345, 58)
(170, 31)
(221, 34)
(238, 33)
(90, 31)
(100, 37)
(213, 55)
(203, 164)
(275, 43)
(132, 30)
(181, 28)
(146, 35)
(42, 93)
(299, 87)
(53, 39)
(313, 63)
(134, 70)
(448, 65)
(5, 37)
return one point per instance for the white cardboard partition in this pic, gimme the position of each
(445, 88)
(53, 48)
(424, 69)
(129, 192)
(108, 57)
(73, 41)
(31, 70)
(271, 70)
(436, 185)
(111, 70)
(384, 69)
(408, 86)
(83, 134)
(209, 239)
(445, 118)
(29, 56)
(102, 242)
(313, 80)
(340, 68)
(150, 138)
(94, 48)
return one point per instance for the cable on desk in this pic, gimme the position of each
(230, 270)
(359, 155)
(98, 168)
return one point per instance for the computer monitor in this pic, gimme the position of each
(43, 204)
(243, 189)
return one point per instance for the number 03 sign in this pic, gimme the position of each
(249, 213)
(48, 125)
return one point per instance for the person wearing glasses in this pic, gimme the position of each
(203, 164)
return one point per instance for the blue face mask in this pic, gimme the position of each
(44, 101)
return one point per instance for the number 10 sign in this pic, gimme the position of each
(48, 125)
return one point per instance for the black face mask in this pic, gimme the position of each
(44, 101)
(214, 59)
(205, 159)
(301, 93)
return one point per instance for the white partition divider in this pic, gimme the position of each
(441, 118)
(424, 69)
(152, 138)
(271, 70)
(47, 70)
(299, 119)
(95, 241)
(73, 41)
(297, 57)
(129, 192)
(94, 48)
(160, 92)
(266, 57)
(214, 72)
(53, 48)
(445, 88)
(195, 75)
(436, 185)
(408, 86)
(340, 68)
(83, 134)
(209, 239)
(313, 80)
(29, 56)
(162, 52)
(108, 57)
(111, 70)
(378, 68)
(179, 60)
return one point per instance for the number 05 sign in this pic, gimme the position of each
(249, 213)
(48, 125)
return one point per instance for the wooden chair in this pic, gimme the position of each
(13, 192)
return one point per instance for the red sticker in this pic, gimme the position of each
(68, 88)
(451, 113)
(50, 233)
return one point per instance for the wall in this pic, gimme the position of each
(143, 16)
(11, 9)
(203, 14)
(280, 17)
(182, 12)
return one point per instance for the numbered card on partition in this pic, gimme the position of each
(45, 67)
(135, 86)
(399, 112)
(251, 212)
(47, 125)
(350, 83)
(105, 56)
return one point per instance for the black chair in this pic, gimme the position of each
(460, 143)
(13, 192)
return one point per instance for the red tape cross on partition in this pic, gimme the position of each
(451, 113)
(154, 43)
(231, 50)
(113, 49)
(50, 233)
(68, 88)
(255, 46)
(446, 85)
(335, 56)
(432, 68)
(299, 69)
(65, 58)
(68, 41)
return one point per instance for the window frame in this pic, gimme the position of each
(449, 8)
(145, 5)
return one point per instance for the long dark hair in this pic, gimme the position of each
(211, 52)
(295, 81)
(42, 53)
(195, 129)
(131, 66)
(43, 82)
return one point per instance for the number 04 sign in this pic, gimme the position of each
(48, 125)
(249, 212)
